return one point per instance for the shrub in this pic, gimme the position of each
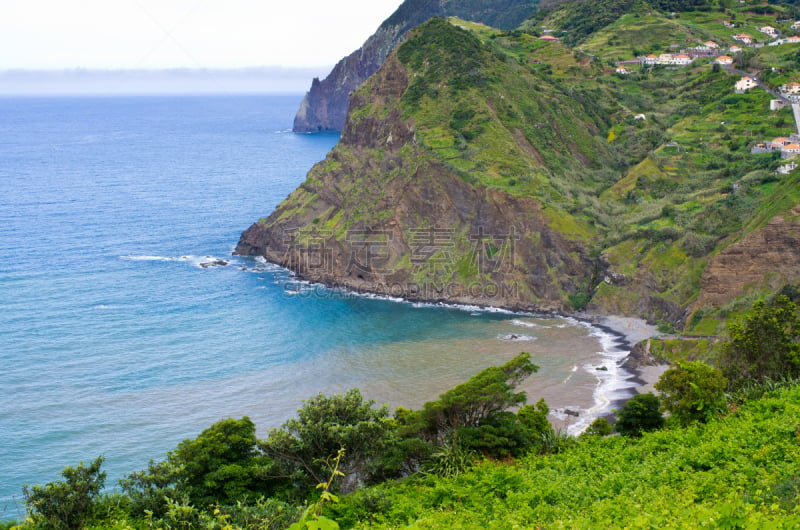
(221, 465)
(66, 504)
(692, 391)
(323, 426)
(599, 427)
(640, 414)
(763, 344)
(469, 404)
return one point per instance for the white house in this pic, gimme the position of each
(724, 59)
(786, 168)
(650, 59)
(743, 37)
(790, 150)
(792, 89)
(796, 25)
(768, 30)
(778, 144)
(621, 70)
(664, 58)
(681, 59)
(735, 49)
(744, 84)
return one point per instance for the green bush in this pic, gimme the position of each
(763, 344)
(302, 446)
(639, 414)
(692, 391)
(222, 465)
(67, 504)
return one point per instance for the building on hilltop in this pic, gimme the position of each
(743, 37)
(790, 150)
(791, 91)
(768, 30)
(744, 84)
(681, 59)
(724, 59)
(649, 59)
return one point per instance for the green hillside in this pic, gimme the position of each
(726, 456)
(739, 472)
(645, 178)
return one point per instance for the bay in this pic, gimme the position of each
(119, 337)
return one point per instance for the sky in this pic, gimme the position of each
(160, 34)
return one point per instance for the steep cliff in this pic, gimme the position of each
(498, 168)
(393, 210)
(767, 258)
(325, 105)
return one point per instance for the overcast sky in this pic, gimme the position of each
(142, 34)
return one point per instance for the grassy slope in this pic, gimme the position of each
(678, 196)
(654, 197)
(738, 472)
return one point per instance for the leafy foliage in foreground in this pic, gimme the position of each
(764, 344)
(740, 471)
(693, 391)
(67, 504)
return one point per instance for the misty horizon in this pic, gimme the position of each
(90, 81)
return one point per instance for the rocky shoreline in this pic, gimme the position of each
(633, 332)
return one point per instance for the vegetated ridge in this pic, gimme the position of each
(502, 168)
(325, 105)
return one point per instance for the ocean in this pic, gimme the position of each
(127, 326)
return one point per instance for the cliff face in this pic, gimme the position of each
(382, 215)
(479, 166)
(325, 104)
(767, 258)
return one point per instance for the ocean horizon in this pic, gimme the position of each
(128, 326)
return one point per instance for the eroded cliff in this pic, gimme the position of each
(382, 214)
(324, 106)
(496, 168)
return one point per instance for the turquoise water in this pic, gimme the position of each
(116, 340)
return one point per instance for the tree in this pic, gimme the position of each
(325, 425)
(66, 504)
(470, 403)
(534, 419)
(692, 391)
(222, 465)
(763, 344)
(640, 414)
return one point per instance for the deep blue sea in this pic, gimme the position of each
(115, 340)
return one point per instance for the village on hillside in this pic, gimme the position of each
(787, 94)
